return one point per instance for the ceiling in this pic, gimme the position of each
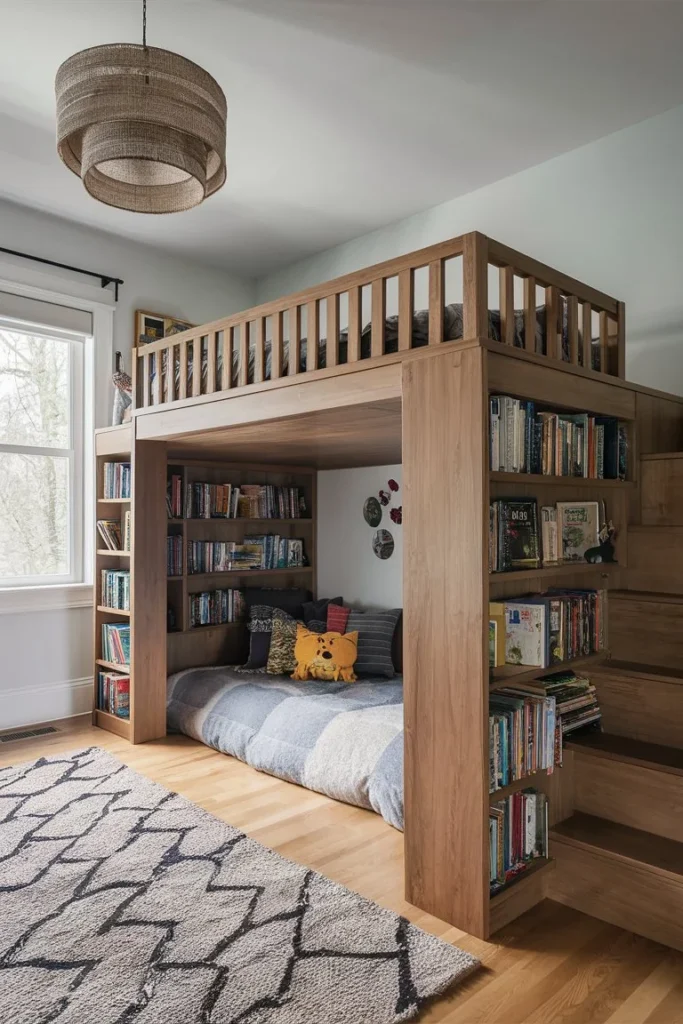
(345, 115)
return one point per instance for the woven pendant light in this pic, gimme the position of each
(143, 128)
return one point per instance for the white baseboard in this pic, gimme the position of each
(30, 704)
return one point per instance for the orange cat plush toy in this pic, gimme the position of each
(325, 655)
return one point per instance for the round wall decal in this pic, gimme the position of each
(372, 512)
(383, 544)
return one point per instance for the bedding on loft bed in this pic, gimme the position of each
(343, 740)
(453, 331)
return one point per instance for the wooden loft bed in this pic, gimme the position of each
(618, 857)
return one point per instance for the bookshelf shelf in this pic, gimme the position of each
(566, 569)
(112, 723)
(249, 572)
(112, 611)
(507, 675)
(113, 501)
(536, 866)
(106, 552)
(193, 630)
(526, 781)
(538, 479)
(112, 666)
(243, 520)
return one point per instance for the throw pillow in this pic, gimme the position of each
(325, 655)
(289, 599)
(316, 610)
(337, 617)
(375, 634)
(281, 658)
(260, 626)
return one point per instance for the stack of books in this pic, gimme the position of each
(113, 693)
(174, 555)
(524, 440)
(225, 501)
(214, 607)
(110, 532)
(547, 629)
(263, 552)
(520, 538)
(127, 522)
(513, 535)
(115, 589)
(576, 703)
(518, 835)
(116, 642)
(117, 480)
(521, 735)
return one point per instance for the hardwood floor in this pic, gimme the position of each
(551, 966)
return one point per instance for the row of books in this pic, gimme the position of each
(528, 722)
(116, 642)
(518, 835)
(520, 538)
(228, 501)
(214, 607)
(524, 440)
(115, 538)
(174, 555)
(115, 588)
(546, 629)
(117, 479)
(263, 552)
(113, 693)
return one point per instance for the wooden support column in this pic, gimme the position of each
(445, 587)
(148, 591)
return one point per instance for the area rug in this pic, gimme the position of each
(121, 902)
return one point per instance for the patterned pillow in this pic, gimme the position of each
(260, 626)
(375, 635)
(337, 617)
(281, 659)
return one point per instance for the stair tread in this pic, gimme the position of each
(632, 844)
(634, 668)
(656, 597)
(623, 748)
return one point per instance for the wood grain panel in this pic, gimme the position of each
(640, 706)
(243, 373)
(520, 897)
(475, 313)
(259, 349)
(436, 301)
(114, 441)
(332, 340)
(354, 325)
(661, 490)
(196, 367)
(228, 349)
(276, 347)
(211, 362)
(294, 358)
(646, 628)
(655, 558)
(406, 304)
(446, 783)
(659, 424)
(378, 317)
(312, 334)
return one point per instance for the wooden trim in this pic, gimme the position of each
(406, 303)
(196, 366)
(530, 318)
(294, 360)
(553, 334)
(604, 342)
(573, 328)
(276, 347)
(620, 368)
(507, 305)
(378, 316)
(332, 340)
(354, 325)
(182, 386)
(475, 314)
(312, 334)
(260, 350)
(210, 362)
(243, 371)
(228, 349)
(436, 301)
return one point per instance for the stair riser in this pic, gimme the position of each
(630, 896)
(644, 709)
(646, 631)
(638, 797)
(661, 490)
(655, 559)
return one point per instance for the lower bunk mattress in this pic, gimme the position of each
(341, 739)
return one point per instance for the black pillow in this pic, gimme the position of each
(260, 626)
(289, 599)
(375, 635)
(316, 611)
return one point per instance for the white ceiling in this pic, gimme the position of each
(345, 115)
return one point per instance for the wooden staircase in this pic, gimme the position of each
(619, 856)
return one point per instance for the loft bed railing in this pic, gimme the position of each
(465, 288)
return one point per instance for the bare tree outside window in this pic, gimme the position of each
(36, 457)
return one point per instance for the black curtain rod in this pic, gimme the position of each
(105, 279)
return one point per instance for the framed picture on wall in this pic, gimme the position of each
(153, 326)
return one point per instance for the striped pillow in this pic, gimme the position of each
(337, 617)
(375, 633)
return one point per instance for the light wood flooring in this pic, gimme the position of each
(551, 965)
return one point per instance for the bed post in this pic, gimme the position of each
(446, 622)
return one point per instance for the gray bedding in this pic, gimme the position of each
(342, 739)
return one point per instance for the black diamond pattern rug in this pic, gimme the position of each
(121, 902)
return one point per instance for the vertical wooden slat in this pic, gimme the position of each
(436, 289)
(260, 349)
(155, 376)
(332, 341)
(312, 334)
(243, 376)
(620, 367)
(196, 366)
(211, 363)
(354, 325)
(145, 378)
(553, 339)
(587, 335)
(294, 338)
(406, 302)
(604, 341)
(276, 348)
(378, 317)
(171, 374)
(506, 277)
(530, 318)
(228, 343)
(134, 375)
(573, 328)
(475, 286)
(182, 389)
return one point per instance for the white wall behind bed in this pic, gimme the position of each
(610, 213)
(347, 564)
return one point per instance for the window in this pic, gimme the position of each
(41, 455)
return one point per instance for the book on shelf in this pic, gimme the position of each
(579, 524)
(116, 642)
(521, 736)
(115, 589)
(231, 501)
(550, 541)
(259, 552)
(513, 535)
(174, 555)
(526, 440)
(496, 633)
(216, 607)
(117, 480)
(110, 532)
(518, 835)
(113, 693)
(557, 626)
(127, 529)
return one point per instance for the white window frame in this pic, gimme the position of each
(97, 361)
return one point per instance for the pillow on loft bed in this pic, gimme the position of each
(316, 611)
(326, 656)
(281, 656)
(263, 604)
(376, 631)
